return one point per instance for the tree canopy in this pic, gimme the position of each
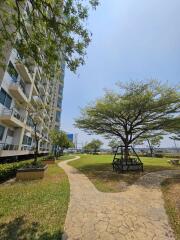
(137, 108)
(153, 140)
(173, 127)
(46, 31)
(60, 139)
(114, 144)
(93, 146)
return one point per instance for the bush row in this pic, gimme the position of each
(8, 170)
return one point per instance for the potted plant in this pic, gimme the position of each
(49, 159)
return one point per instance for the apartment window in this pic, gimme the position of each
(59, 102)
(60, 90)
(27, 140)
(29, 122)
(5, 99)
(12, 71)
(10, 133)
(1, 132)
(58, 116)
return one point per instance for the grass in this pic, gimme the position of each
(171, 193)
(66, 157)
(98, 169)
(34, 210)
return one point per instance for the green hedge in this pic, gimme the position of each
(8, 170)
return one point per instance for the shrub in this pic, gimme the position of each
(159, 155)
(8, 170)
(50, 157)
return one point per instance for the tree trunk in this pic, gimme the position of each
(95, 150)
(150, 148)
(55, 151)
(62, 151)
(36, 145)
(126, 152)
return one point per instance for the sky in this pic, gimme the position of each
(132, 40)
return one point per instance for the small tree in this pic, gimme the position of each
(35, 111)
(137, 109)
(93, 146)
(54, 136)
(114, 144)
(152, 140)
(87, 148)
(60, 139)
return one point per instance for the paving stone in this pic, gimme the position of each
(135, 214)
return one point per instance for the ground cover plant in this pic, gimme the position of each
(8, 170)
(34, 209)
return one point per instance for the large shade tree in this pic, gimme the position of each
(46, 31)
(137, 108)
(173, 128)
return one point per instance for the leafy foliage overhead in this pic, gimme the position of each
(47, 31)
(173, 127)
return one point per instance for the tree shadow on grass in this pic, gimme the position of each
(103, 172)
(20, 229)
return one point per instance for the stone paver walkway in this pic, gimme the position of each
(137, 213)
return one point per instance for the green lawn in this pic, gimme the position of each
(34, 210)
(66, 157)
(99, 170)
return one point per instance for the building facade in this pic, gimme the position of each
(21, 85)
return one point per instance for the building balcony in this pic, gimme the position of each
(43, 150)
(27, 147)
(17, 90)
(23, 71)
(9, 147)
(11, 118)
(8, 150)
(42, 88)
(37, 100)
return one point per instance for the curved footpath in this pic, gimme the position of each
(138, 213)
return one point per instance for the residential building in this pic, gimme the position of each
(21, 84)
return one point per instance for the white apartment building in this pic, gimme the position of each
(20, 84)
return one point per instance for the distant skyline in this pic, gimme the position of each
(136, 40)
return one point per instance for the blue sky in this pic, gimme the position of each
(131, 39)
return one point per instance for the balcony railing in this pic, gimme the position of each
(12, 113)
(27, 147)
(21, 84)
(43, 149)
(9, 147)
